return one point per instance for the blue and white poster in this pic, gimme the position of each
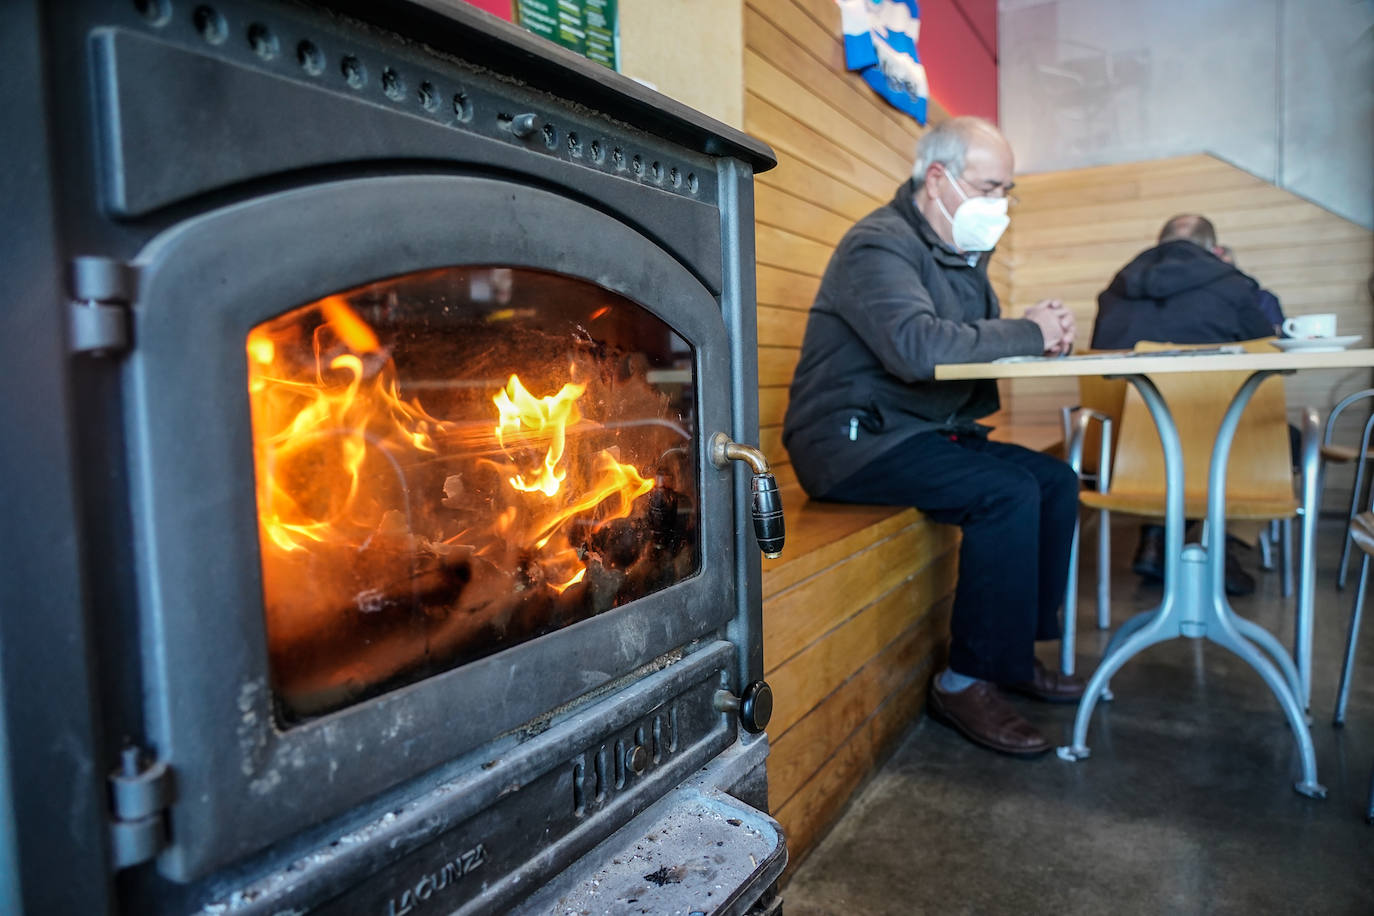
(880, 42)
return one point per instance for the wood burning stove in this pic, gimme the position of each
(375, 544)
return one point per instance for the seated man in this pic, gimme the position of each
(1268, 303)
(907, 289)
(1180, 291)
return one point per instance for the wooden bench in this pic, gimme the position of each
(856, 616)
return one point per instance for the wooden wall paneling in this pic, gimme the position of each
(999, 275)
(801, 615)
(811, 810)
(770, 443)
(780, 248)
(841, 531)
(786, 475)
(772, 406)
(1252, 195)
(1275, 223)
(781, 327)
(764, 118)
(768, 82)
(785, 288)
(776, 365)
(1107, 184)
(775, 207)
(801, 683)
(803, 180)
(810, 740)
(1286, 254)
(809, 813)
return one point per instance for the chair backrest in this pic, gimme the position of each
(1260, 471)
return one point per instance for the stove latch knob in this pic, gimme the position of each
(766, 500)
(755, 707)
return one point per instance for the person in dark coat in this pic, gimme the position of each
(1181, 291)
(1267, 302)
(905, 290)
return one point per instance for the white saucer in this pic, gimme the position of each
(1315, 344)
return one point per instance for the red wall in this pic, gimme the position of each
(497, 7)
(958, 46)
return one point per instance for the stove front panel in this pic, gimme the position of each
(254, 161)
(327, 695)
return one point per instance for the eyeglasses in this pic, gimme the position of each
(989, 189)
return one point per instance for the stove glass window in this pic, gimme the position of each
(452, 462)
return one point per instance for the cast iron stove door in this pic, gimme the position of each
(417, 459)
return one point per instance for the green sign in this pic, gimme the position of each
(585, 26)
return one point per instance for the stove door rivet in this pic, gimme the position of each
(637, 759)
(522, 125)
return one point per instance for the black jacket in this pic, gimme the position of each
(893, 303)
(1178, 292)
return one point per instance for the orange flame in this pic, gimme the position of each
(352, 330)
(333, 437)
(522, 412)
(307, 420)
(526, 419)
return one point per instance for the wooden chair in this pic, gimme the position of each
(1260, 474)
(1362, 534)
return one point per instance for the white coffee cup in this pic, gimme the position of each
(1322, 324)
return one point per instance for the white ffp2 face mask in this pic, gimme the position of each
(978, 222)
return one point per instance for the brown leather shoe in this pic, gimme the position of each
(1050, 686)
(983, 716)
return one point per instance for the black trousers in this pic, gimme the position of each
(1017, 509)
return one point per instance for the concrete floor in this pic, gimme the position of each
(1186, 805)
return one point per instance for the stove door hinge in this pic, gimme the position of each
(98, 314)
(140, 795)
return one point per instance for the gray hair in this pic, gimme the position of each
(947, 143)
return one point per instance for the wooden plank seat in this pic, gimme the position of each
(820, 534)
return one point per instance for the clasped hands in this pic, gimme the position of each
(1056, 324)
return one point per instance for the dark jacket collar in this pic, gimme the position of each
(905, 203)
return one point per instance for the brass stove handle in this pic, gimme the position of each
(766, 502)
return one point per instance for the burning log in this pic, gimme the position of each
(617, 543)
(663, 517)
